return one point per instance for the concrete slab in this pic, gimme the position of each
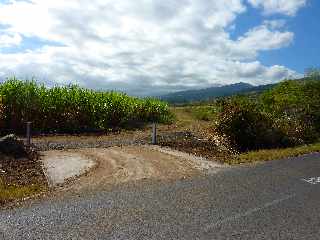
(61, 165)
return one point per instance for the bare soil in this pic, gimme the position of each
(117, 165)
(120, 158)
(20, 178)
(198, 143)
(21, 171)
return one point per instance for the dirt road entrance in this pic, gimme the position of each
(117, 165)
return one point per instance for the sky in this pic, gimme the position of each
(152, 47)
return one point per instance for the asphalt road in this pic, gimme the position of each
(274, 200)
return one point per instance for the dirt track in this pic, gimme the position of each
(118, 165)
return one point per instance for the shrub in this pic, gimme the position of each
(297, 131)
(296, 107)
(241, 122)
(287, 115)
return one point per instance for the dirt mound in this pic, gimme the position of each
(18, 163)
(11, 146)
(21, 172)
(189, 143)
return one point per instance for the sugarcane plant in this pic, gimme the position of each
(73, 109)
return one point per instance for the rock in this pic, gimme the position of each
(12, 146)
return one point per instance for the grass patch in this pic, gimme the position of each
(190, 115)
(274, 154)
(201, 113)
(9, 193)
(204, 113)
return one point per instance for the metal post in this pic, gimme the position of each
(154, 134)
(28, 133)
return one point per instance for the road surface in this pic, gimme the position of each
(274, 200)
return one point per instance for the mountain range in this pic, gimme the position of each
(212, 93)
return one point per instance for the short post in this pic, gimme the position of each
(28, 133)
(154, 133)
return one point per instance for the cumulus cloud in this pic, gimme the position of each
(261, 73)
(141, 47)
(263, 38)
(288, 7)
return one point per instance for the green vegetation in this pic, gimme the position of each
(73, 109)
(204, 113)
(287, 115)
(245, 127)
(279, 122)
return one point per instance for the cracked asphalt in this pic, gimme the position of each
(273, 200)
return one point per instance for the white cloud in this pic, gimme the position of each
(9, 40)
(288, 7)
(263, 38)
(262, 74)
(141, 46)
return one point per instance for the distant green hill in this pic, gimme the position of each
(212, 93)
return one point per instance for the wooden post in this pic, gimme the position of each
(154, 134)
(28, 133)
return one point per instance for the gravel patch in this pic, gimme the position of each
(63, 145)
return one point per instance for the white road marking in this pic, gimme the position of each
(313, 180)
(247, 213)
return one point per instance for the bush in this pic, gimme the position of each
(299, 132)
(287, 115)
(296, 107)
(241, 122)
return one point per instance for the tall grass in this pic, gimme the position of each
(73, 109)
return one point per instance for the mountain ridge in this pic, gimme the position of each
(210, 93)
